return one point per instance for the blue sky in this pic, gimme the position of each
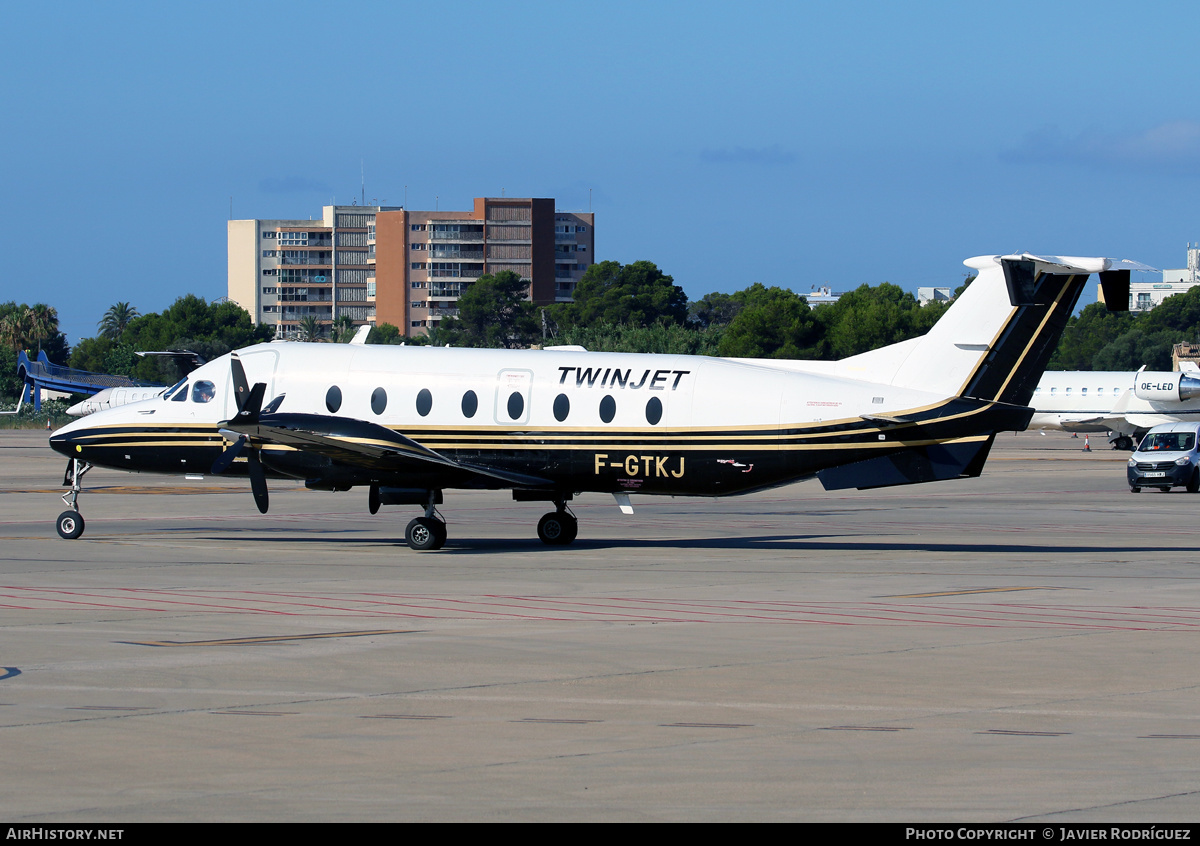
(793, 144)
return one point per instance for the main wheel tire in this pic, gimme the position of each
(1193, 484)
(70, 525)
(439, 528)
(558, 528)
(422, 533)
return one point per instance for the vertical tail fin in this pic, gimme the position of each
(994, 341)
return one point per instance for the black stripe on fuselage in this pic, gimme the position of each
(702, 462)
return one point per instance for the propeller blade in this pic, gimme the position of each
(373, 498)
(241, 387)
(250, 409)
(226, 458)
(258, 481)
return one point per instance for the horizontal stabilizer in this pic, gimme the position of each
(932, 463)
(1114, 286)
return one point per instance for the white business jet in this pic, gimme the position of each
(1128, 403)
(408, 423)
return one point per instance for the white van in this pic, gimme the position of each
(1168, 457)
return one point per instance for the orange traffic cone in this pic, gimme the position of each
(1087, 446)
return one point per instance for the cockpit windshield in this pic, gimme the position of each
(1168, 442)
(170, 392)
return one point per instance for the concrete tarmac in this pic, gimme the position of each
(1020, 646)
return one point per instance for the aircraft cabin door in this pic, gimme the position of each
(513, 393)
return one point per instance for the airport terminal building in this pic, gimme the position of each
(387, 264)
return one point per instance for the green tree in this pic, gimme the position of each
(91, 354)
(494, 312)
(385, 333)
(867, 318)
(310, 329)
(116, 320)
(1180, 313)
(211, 329)
(1137, 347)
(343, 329)
(10, 385)
(34, 329)
(715, 309)
(639, 294)
(772, 323)
(1086, 334)
(663, 338)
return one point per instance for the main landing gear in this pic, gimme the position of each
(558, 528)
(70, 523)
(426, 532)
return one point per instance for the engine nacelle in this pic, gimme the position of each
(1166, 387)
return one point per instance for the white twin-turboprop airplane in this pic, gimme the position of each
(411, 422)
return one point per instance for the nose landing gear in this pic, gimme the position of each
(70, 523)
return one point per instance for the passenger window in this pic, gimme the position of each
(653, 411)
(608, 409)
(424, 402)
(333, 399)
(470, 404)
(378, 400)
(562, 407)
(203, 391)
(516, 405)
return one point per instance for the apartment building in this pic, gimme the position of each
(381, 264)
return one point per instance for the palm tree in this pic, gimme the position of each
(116, 320)
(18, 329)
(310, 328)
(43, 323)
(10, 331)
(343, 329)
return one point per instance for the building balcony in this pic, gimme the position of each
(441, 252)
(459, 237)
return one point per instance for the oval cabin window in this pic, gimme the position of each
(653, 411)
(424, 402)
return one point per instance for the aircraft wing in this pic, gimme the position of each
(360, 443)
